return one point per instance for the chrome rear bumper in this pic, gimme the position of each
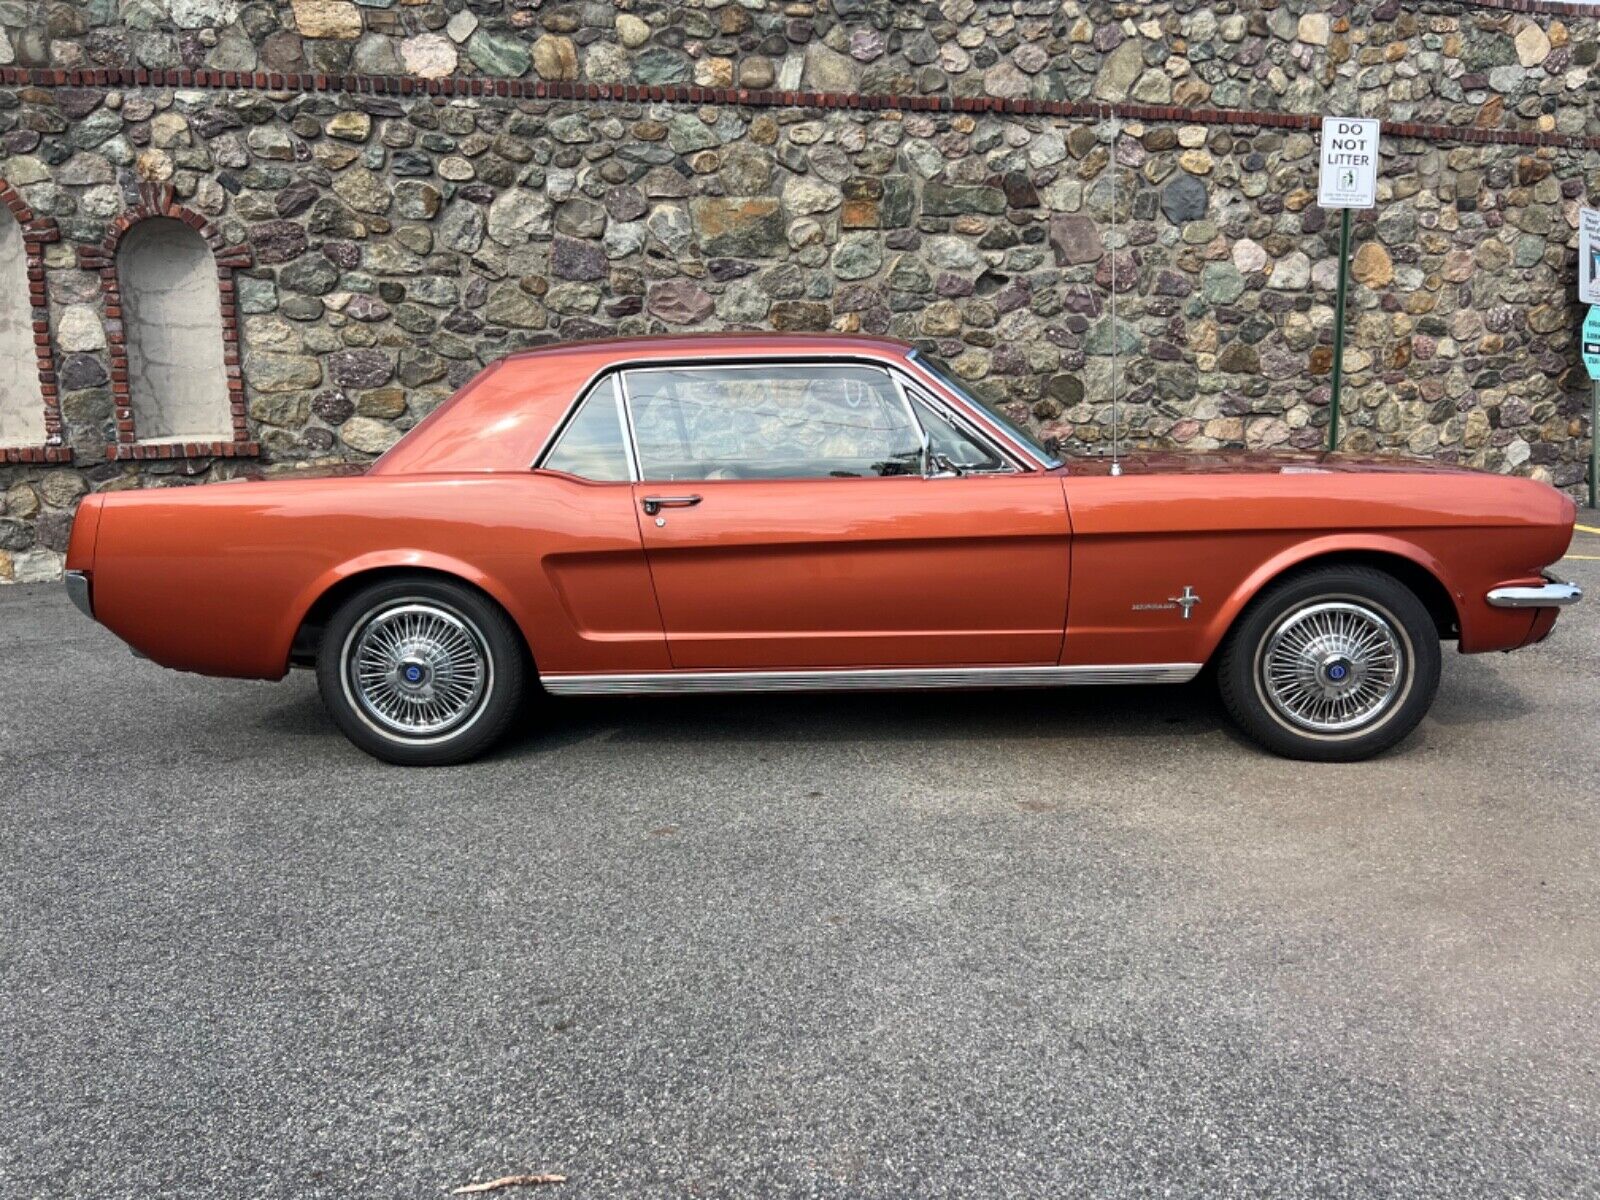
(78, 592)
(1553, 593)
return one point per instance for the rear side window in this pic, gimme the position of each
(592, 445)
(771, 422)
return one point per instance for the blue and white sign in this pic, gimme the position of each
(1591, 342)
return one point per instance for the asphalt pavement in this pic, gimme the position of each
(1076, 943)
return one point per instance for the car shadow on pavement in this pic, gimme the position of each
(1472, 688)
(301, 714)
(1471, 693)
(1097, 713)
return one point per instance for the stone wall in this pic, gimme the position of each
(1471, 65)
(378, 240)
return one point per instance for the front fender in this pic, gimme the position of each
(1324, 547)
(1126, 587)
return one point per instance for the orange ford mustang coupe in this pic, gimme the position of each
(761, 513)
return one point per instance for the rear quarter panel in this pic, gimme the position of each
(218, 578)
(1141, 539)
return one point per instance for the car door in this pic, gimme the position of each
(788, 523)
(599, 610)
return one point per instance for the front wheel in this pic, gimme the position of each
(1334, 664)
(421, 672)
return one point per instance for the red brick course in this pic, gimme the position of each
(531, 89)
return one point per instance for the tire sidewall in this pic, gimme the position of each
(1391, 711)
(504, 670)
(1240, 669)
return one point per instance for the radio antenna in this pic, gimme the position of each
(1116, 422)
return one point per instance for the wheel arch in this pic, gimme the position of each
(1409, 565)
(323, 598)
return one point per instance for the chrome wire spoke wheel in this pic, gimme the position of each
(417, 670)
(1334, 666)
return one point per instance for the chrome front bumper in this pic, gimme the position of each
(78, 592)
(1553, 593)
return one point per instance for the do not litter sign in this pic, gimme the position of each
(1589, 255)
(1349, 176)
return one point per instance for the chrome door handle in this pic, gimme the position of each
(654, 504)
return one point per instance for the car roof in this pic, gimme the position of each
(499, 420)
(724, 344)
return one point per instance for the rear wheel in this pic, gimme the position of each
(421, 672)
(1334, 664)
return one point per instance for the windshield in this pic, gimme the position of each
(1021, 432)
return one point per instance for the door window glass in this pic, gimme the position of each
(592, 446)
(954, 444)
(771, 422)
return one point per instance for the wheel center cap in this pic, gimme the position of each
(1338, 673)
(413, 673)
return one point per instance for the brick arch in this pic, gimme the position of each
(159, 200)
(37, 233)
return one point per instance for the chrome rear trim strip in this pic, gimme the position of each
(78, 591)
(899, 679)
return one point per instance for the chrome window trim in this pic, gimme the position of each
(560, 426)
(965, 424)
(1028, 454)
(911, 414)
(846, 680)
(588, 390)
(625, 414)
(746, 364)
(1019, 452)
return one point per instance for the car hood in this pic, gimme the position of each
(1243, 462)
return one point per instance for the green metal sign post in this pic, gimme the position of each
(1338, 328)
(1347, 178)
(1589, 293)
(1589, 351)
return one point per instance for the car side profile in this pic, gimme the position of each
(743, 513)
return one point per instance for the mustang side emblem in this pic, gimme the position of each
(1186, 602)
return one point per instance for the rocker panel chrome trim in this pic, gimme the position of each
(895, 679)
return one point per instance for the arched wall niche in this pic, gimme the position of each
(173, 332)
(30, 414)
